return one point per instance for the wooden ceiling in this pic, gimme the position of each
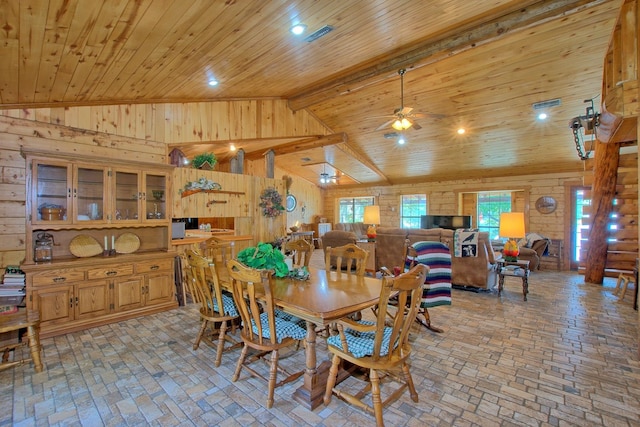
(477, 65)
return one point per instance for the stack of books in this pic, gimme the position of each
(12, 290)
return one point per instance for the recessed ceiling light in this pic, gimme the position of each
(213, 82)
(461, 131)
(401, 140)
(298, 29)
(542, 116)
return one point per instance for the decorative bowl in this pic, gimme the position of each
(157, 194)
(293, 228)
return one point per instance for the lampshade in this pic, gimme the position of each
(512, 225)
(372, 215)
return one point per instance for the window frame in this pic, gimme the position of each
(415, 221)
(357, 209)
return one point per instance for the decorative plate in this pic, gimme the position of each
(127, 243)
(84, 246)
(291, 202)
(546, 204)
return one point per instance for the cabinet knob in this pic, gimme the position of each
(154, 267)
(59, 279)
(111, 273)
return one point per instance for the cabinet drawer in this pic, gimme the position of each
(57, 277)
(157, 265)
(110, 271)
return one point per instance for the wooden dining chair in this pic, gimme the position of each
(351, 257)
(301, 250)
(379, 348)
(219, 253)
(218, 311)
(262, 331)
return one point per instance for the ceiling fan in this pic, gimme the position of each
(402, 118)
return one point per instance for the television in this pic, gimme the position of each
(450, 222)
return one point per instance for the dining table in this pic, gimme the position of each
(322, 298)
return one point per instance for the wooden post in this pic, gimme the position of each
(269, 159)
(605, 172)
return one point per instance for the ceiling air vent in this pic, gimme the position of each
(321, 32)
(546, 104)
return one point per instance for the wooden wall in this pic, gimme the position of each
(445, 197)
(185, 122)
(139, 132)
(622, 249)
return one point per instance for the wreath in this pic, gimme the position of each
(271, 203)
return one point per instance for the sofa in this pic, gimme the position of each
(532, 251)
(477, 272)
(358, 228)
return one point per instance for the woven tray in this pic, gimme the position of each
(127, 243)
(84, 246)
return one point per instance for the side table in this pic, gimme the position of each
(30, 321)
(519, 268)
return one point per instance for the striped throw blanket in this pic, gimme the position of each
(437, 285)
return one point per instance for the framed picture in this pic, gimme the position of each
(291, 202)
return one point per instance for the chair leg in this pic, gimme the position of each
(201, 333)
(409, 380)
(273, 376)
(621, 277)
(331, 379)
(375, 397)
(243, 355)
(221, 339)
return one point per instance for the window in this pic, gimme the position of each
(412, 207)
(490, 206)
(352, 210)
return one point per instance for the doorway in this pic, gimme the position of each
(579, 230)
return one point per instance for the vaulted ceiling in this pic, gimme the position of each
(479, 65)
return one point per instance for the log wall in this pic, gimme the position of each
(446, 197)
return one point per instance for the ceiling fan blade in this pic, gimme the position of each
(385, 125)
(415, 124)
(428, 115)
(406, 110)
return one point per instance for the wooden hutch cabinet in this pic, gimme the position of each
(102, 202)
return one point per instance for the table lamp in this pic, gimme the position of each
(511, 227)
(371, 216)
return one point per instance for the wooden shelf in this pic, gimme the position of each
(190, 192)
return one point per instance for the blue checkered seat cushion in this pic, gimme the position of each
(289, 317)
(437, 285)
(230, 308)
(361, 343)
(284, 328)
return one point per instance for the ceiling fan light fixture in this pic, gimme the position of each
(401, 124)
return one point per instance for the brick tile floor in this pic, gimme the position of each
(568, 356)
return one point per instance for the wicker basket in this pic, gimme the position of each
(84, 246)
(127, 243)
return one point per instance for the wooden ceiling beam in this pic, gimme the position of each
(301, 145)
(452, 43)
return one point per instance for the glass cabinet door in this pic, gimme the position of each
(126, 206)
(155, 201)
(51, 192)
(89, 193)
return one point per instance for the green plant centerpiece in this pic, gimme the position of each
(204, 161)
(264, 256)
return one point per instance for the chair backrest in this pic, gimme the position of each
(218, 252)
(301, 249)
(437, 285)
(408, 289)
(353, 257)
(205, 285)
(248, 285)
